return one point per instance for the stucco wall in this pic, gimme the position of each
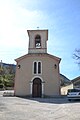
(50, 75)
(64, 90)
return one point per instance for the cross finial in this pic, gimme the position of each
(38, 28)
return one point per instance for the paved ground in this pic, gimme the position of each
(15, 108)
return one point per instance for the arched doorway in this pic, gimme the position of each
(37, 88)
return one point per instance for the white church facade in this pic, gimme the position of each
(37, 73)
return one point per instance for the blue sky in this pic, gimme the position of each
(60, 17)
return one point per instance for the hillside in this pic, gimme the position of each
(64, 80)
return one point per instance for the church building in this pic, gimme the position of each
(37, 73)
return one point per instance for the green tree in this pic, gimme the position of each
(6, 78)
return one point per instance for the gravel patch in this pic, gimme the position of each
(16, 108)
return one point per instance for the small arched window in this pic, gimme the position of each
(37, 41)
(37, 67)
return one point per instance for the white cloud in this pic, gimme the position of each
(15, 21)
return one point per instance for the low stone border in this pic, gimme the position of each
(8, 94)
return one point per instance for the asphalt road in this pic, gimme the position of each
(15, 108)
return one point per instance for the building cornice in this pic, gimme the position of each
(38, 55)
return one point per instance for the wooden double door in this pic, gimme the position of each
(37, 88)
